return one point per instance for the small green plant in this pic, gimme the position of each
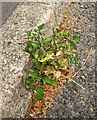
(53, 53)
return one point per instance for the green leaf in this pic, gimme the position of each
(29, 47)
(67, 33)
(76, 39)
(49, 81)
(54, 47)
(59, 62)
(69, 58)
(33, 87)
(62, 42)
(34, 75)
(51, 37)
(53, 82)
(49, 68)
(37, 63)
(28, 33)
(55, 30)
(35, 30)
(72, 45)
(34, 35)
(62, 32)
(46, 80)
(35, 45)
(40, 54)
(58, 34)
(28, 82)
(40, 27)
(40, 94)
(75, 58)
(63, 45)
(46, 42)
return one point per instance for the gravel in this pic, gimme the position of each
(74, 102)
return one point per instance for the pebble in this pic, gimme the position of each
(5, 61)
(6, 86)
(83, 77)
(81, 6)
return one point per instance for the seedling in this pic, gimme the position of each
(53, 53)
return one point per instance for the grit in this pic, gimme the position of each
(75, 102)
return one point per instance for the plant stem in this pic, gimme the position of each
(80, 70)
(77, 84)
(83, 64)
(41, 42)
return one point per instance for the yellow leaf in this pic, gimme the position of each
(48, 56)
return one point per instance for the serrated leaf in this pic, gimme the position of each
(33, 87)
(29, 47)
(53, 82)
(54, 47)
(69, 58)
(75, 58)
(40, 94)
(28, 82)
(67, 33)
(45, 80)
(37, 63)
(46, 42)
(48, 68)
(40, 27)
(35, 75)
(76, 39)
(48, 80)
(72, 45)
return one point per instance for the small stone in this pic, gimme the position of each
(12, 68)
(82, 6)
(9, 43)
(19, 74)
(6, 86)
(83, 77)
(5, 61)
(63, 101)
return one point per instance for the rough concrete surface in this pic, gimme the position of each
(15, 97)
(7, 9)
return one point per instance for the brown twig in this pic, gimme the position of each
(83, 64)
(80, 70)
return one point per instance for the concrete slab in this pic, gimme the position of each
(7, 9)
